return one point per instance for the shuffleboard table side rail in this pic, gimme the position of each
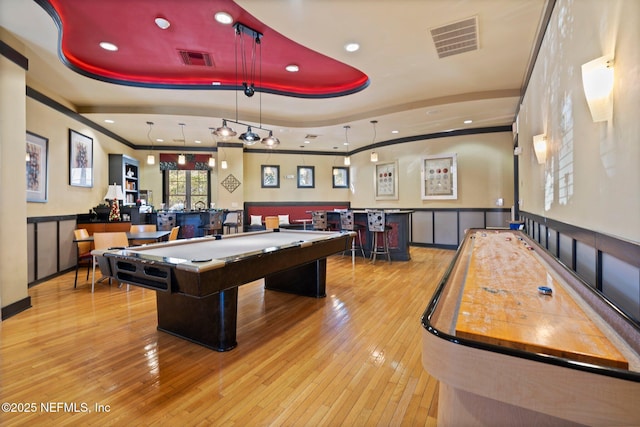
(428, 323)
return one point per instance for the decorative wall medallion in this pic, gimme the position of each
(231, 183)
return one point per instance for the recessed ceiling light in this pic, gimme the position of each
(307, 142)
(351, 47)
(216, 83)
(466, 122)
(395, 131)
(159, 140)
(108, 46)
(197, 141)
(292, 68)
(223, 18)
(162, 23)
(109, 121)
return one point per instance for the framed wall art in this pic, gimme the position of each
(439, 177)
(80, 160)
(270, 176)
(386, 181)
(37, 158)
(340, 177)
(306, 176)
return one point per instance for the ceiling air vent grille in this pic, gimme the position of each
(310, 136)
(190, 57)
(459, 37)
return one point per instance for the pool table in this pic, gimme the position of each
(196, 280)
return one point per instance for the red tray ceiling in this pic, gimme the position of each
(148, 56)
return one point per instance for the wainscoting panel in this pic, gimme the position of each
(608, 264)
(621, 284)
(446, 227)
(31, 252)
(47, 243)
(586, 262)
(66, 247)
(470, 219)
(422, 227)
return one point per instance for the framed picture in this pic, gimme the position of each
(270, 176)
(37, 159)
(80, 160)
(439, 177)
(306, 176)
(340, 177)
(386, 181)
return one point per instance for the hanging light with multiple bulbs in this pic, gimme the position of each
(248, 84)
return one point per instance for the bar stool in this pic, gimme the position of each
(377, 226)
(231, 221)
(347, 223)
(319, 220)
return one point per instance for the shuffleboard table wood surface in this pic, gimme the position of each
(505, 354)
(501, 305)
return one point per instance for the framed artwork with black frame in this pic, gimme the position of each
(439, 180)
(37, 158)
(306, 176)
(270, 176)
(80, 160)
(340, 177)
(386, 181)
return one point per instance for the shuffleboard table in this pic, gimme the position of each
(196, 280)
(516, 338)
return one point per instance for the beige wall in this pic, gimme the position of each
(592, 176)
(485, 172)
(13, 185)
(64, 199)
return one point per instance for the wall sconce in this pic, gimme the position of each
(597, 81)
(540, 147)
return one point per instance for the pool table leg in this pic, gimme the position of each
(308, 280)
(209, 321)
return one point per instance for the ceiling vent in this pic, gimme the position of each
(190, 57)
(310, 136)
(459, 37)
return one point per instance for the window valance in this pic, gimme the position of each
(169, 161)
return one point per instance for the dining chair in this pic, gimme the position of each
(83, 252)
(174, 233)
(116, 239)
(142, 228)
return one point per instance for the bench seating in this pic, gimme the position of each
(295, 210)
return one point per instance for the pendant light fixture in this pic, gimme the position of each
(374, 155)
(225, 131)
(151, 158)
(347, 158)
(249, 137)
(182, 159)
(212, 160)
(271, 141)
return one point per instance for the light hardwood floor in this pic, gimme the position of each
(350, 359)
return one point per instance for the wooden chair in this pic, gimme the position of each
(271, 222)
(174, 233)
(116, 239)
(142, 228)
(83, 252)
